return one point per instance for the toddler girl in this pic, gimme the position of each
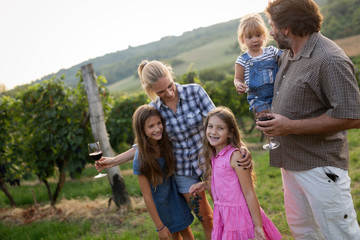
(255, 70)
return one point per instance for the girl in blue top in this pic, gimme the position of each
(154, 165)
(256, 69)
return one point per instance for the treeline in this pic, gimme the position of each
(341, 18)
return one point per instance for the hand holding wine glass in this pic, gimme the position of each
(261, 112)
(95, 153)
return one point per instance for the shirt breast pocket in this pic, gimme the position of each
(194, 118)
(223, 171)
(170, 132)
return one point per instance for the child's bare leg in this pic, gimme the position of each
(187, 234)
(176, 236)
(206, 213)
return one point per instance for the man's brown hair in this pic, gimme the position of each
(303, 17)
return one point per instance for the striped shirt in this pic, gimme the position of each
(185, 126)
(269, 53)
(318, 80)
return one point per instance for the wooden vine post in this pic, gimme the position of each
(120, 195)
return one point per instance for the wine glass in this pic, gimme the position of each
(95, 153)
(261, 110)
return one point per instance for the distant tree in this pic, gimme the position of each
(341, 18)
(212, 74)
(175, 61)
(191, 76)
(11, 144)
(119, 122)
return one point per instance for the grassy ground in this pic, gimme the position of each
(83, 213)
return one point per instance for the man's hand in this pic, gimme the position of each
(278, 126)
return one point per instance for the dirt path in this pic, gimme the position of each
(72, 210)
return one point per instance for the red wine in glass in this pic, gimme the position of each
(266, 118)
(95, 153)
(261, 110)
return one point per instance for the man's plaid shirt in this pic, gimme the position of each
(185, 127)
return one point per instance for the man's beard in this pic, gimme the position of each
(282, 41)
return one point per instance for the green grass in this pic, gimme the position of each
(136, 223)
(45, 230)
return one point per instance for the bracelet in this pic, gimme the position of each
(158, 230)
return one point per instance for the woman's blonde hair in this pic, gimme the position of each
(251, 24)
(149, 73)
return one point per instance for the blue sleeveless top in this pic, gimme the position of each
(170, 204)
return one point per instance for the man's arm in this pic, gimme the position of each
(281, 126)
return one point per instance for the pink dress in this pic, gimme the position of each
(232, 219)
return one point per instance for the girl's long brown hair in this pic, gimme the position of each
(226, 115)
(148, 153)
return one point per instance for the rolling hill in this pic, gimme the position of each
(203, 48)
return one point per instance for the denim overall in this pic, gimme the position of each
(262, 76)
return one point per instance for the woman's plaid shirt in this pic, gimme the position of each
(185, 127)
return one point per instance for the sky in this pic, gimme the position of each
(40, 37)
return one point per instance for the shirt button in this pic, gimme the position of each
(283, 76)
(277, 93)
(185, 140)
(345, 216)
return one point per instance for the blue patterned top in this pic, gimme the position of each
(185, 126)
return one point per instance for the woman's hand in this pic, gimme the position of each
(246, 160)
(197, 188)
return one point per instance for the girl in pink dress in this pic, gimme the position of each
(237, 213)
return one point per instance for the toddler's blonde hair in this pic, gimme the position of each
(251, 24)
